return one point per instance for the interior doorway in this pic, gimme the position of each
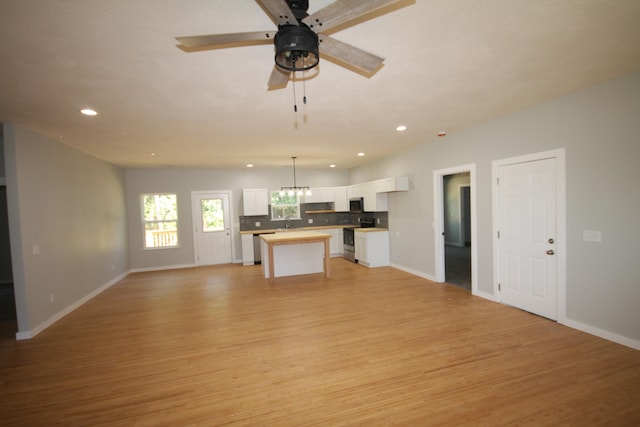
(8, 317)
(457, 255)
(454, 204)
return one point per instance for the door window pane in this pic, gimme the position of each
(212, 215)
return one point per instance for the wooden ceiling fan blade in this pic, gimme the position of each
(279, 11)
(214, 41)
(343, 11)
(278, 79)
(349, 56)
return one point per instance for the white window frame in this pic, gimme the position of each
(174, 241)
(296, 205)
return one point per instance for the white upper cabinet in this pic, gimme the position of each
(354, 191)
(255, 201)
(373, 200)
(375, 192)
(388, 185)
(335, 195)
(320, 195)
(341, 199)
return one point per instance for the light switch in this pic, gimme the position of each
(592, 236)
(36, 249)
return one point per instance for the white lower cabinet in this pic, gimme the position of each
(247, 249)
(336, 243)
(372, 248)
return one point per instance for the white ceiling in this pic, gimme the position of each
(449, 64)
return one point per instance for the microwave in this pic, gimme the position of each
(356, 205)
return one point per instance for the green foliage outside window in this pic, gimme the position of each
(160, 218)
(212, 215)
(284, 206)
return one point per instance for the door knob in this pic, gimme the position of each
(550, 252)
(551, 241)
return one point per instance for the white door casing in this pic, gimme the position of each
(529, 232)
(438, 224)
(212, 240)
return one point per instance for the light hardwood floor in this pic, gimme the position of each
(221, 345)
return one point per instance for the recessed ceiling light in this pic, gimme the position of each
(360, 154)
(89, 112)
(442, 133)
(249, 165)
(332, 166)
(152, 154)
(401, 128)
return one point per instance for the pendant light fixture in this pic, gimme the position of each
(295, 189)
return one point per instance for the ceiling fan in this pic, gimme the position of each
(301, 38)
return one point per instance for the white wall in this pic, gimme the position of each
(600, 130)
(70, 206)
(182, 182)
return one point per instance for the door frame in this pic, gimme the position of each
(462, 233)
(232, 225)
(561, 226)
(438, 224)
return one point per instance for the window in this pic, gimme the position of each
(160, 219)
(284, 206)
(212, 215)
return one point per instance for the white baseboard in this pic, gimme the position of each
(610, 336)
(25, 335)
(414, 272)
(601, 333)
(162, 268)
(485, 295)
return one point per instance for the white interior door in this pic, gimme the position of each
(527, 236)
(211, 219)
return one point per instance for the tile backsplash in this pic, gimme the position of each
(319, 219)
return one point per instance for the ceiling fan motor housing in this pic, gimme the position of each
(299, 8)
(297, 48)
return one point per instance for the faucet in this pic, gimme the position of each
(287, 222)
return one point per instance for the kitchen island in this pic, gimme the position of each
(295, 252)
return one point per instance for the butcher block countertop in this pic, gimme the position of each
(371, 229)
(294, 236)
(291, 230)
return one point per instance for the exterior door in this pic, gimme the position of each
(527, 236)
(212, 233)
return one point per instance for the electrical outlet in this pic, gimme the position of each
(592, 236)
(378, 220)
(36, 249)
(52, 298)
(310, 221)
(257, 223)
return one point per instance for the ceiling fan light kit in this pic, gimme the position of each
(297, 42)
(297, 48)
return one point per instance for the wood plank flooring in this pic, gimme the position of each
(222, 346)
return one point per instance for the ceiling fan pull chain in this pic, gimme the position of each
(304, 88)
(293, 74)
(304, 83)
